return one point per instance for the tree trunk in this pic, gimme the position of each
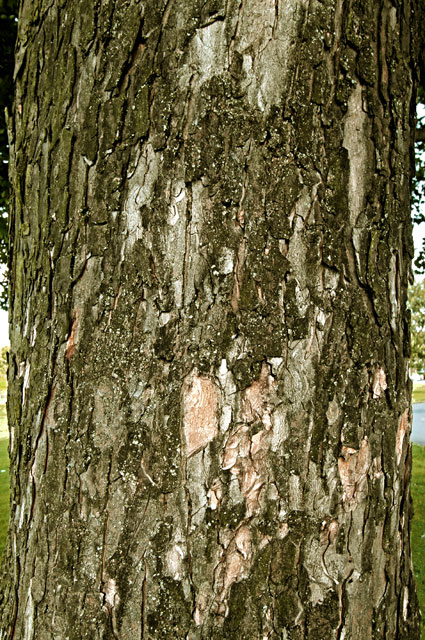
(209, 400)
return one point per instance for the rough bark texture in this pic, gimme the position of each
(208, 387)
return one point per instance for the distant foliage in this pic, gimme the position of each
(4, 356)
(418, 193)
(8, 25)
(417, 307)
(418, 190)
(418, 185)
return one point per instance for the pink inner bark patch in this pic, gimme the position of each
(70, 345)
(403, 428)
(244, 453)
(244, 457)
(329, 532)
(214, 495)
(234, 566)
(379, 382)
(353, 466)
(111, 593)
(255, 399)
(200, 411)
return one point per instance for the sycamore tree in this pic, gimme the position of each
(209, 402)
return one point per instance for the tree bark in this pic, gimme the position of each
(209, 400)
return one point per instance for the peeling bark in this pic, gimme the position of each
(209, 401)
(200, 412)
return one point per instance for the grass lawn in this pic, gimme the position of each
(418, 394)
(418, 525)
(4, 431)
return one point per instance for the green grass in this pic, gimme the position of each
(418, 526)
(418, 394)
(4, 431)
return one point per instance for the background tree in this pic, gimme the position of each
(418, 192)
(3, 360)
(208, 392)
(417, 306)
(8, 23)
